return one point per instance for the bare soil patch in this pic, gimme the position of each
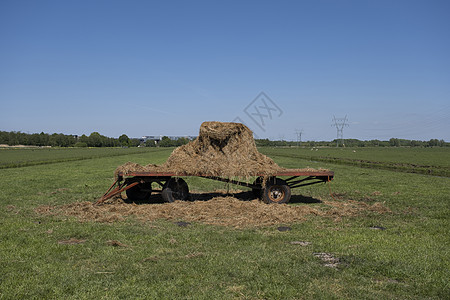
(115, 243)
(222, 210)
(71, 241)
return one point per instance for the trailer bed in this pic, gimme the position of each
(287, 172)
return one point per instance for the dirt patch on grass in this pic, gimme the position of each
(328, 259)
(115, 243)
(71, 241)
(220, 210)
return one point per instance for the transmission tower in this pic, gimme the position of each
(340, 123)
(299, 136)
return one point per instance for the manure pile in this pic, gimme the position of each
(221, 149)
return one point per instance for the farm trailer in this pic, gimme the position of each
(138, 185)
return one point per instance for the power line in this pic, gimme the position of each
(299, 136)
(340, 123)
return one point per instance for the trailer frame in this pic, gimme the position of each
(273, 190)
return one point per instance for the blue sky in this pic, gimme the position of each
(164, 67)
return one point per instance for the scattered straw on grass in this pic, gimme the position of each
(221, 210)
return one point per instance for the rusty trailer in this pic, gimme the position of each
(172, 187)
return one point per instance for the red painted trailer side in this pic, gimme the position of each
(271, 189)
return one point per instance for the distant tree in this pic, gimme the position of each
(414, 143)
(134, 142)
(394, 142)
(95, 140)
(262, 142)
(112, 142)
(182, 141)
(83, 139)
(52, 140)
(124, 140)
(165, 142)
(433, 143)
(44, 139)
(150, 143)
(61, 140)
(13, 139)
(34, 139)
(4, 137)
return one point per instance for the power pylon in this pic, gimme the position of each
(299, 136)
(340, 123)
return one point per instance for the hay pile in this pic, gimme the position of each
(221, 149)
(222, 210)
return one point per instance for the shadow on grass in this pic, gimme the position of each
(303, 199)
(243, 196)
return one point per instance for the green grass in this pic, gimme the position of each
(407, 260)
(13, 158)
(433, 161)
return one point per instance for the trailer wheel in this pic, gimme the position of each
(175, 189)
(257, 191)
(140, 192)
(276, 191)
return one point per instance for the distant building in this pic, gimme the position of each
(158, 138)
(155, 138)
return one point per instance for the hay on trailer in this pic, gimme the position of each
(221, 149)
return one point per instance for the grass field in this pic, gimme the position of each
(402, 254)
(12, 158)
(433, 161)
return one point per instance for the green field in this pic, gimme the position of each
(11, 157)
(433, 161)
(402, 254)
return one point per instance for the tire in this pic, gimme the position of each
(276, 191)
(175, 189)
(140, 192)
(257, 191)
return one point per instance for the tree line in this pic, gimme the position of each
(95, 139)
(42, 139)
(393, 142)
